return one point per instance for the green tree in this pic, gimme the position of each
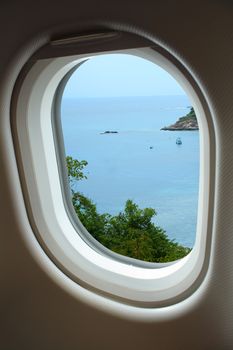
(95, 223)
(75, 169)
(191, 115)
(131, 233)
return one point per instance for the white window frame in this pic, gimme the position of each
(33, 129)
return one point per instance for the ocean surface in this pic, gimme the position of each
(140, 162)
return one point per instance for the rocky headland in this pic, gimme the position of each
(188, 122)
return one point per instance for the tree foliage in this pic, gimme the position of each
(75, 168)
(191, 115)
(131, 233)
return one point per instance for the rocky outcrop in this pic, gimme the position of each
(188, 122)
(109, 132)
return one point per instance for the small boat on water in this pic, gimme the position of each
(178, 141)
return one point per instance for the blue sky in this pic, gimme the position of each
(113, 75)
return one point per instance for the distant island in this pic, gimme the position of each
(109, 132)
(188, 122)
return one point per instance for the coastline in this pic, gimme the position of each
(186, 123)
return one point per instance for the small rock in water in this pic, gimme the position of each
(109, 132)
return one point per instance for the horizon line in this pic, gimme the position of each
(123, 96)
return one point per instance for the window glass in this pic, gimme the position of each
(132, 152)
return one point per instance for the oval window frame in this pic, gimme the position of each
(34, 133)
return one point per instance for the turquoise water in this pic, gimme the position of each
(124, 166)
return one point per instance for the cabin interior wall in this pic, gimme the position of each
(36, 313)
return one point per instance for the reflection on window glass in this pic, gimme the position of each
(132, 144)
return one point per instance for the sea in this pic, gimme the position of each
(140, 162)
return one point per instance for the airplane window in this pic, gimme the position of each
(110, 153)
(131, 141)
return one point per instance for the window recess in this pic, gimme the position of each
(41, 162)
